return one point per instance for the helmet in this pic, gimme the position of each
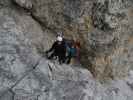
(59, 38)
(60, 34)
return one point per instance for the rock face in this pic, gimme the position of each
(27, 28)
(104, 28)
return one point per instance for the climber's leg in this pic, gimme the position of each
(61, 59)
(68, 58)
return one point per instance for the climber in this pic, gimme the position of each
(71, 51)
(58, 49)
(78, 47)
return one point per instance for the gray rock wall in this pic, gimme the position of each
(24, 35)
(103, 26)
(28, 28)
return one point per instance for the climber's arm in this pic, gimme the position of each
(52, 48)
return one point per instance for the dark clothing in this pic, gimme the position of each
(73, 50)
(59, 50)
(71, 53)
(60, 57)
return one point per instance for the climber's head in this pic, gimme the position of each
(60, 34)
(59, 39)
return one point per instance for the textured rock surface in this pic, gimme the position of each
(27, 29)
(103, 26)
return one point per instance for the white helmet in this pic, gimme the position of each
(59, 38)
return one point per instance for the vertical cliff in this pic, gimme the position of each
(104, 28)
(29, 27)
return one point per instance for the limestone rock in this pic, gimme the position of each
(104, 28)
(106, 47)
(5, 3)
(27, 4)
(18, 40)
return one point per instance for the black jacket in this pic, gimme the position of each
(58, 49)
